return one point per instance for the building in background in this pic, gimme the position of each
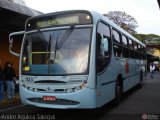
(13, 14)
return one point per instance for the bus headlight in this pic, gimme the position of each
(28, 87)
(76, 88)
(31, 89)
(69, 90)
(34, 90)
(21, 83)
(24, 85)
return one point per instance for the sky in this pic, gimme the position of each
(146, 12)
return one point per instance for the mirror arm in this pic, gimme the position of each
(15, 54)
(11, 42)
(101, 36)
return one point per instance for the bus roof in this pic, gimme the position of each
(95, 16)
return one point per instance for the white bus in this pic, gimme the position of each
(77, 59)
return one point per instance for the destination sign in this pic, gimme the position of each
(51, 20)
(58, 21)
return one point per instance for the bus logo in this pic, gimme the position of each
(49, 89)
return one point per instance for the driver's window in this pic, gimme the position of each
(103, 49)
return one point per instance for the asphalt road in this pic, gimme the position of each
(137, 103)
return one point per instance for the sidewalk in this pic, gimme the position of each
(5, 103)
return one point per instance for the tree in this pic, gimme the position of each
(122, 19)
(21, 2)
(158, 2)
(148, 38)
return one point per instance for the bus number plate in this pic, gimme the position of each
(49, 98)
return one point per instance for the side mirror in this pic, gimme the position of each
(104, 47)
(105, 41)
(12, 37)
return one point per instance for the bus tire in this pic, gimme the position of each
(141, 80)
(118, 92)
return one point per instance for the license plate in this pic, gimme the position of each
(49, 98)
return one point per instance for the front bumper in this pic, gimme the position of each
(82, 99)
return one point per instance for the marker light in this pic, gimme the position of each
(88, 17)
(26, 68)
(24, 60)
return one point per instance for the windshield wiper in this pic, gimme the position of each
(55, 51)
(59, 43)
(43, 38)
(64, 37)
(48, 46)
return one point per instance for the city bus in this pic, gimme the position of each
(77, 59)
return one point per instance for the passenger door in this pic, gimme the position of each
(103, 55)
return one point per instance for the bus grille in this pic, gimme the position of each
(49, 81)
(56, 102)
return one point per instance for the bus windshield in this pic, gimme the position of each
(56, 52)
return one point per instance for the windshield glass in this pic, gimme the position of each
(51, 53)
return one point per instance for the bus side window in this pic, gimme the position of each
(117, 50)
(117, 43)
(131, 47)
(125, 47)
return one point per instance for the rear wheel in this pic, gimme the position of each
(141, 80)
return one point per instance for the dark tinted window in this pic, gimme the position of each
(125, 52)
(103, 47)
(117, 50)
(124, 40)
(117, 46)
(116, 36)
(135, 46)
(136, 55)
(139, 48)
(143, 50)
(130, 44)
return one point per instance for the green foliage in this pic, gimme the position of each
(148, 38)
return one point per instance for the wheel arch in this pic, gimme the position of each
(120, 80)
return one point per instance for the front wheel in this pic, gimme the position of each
(118, 93)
